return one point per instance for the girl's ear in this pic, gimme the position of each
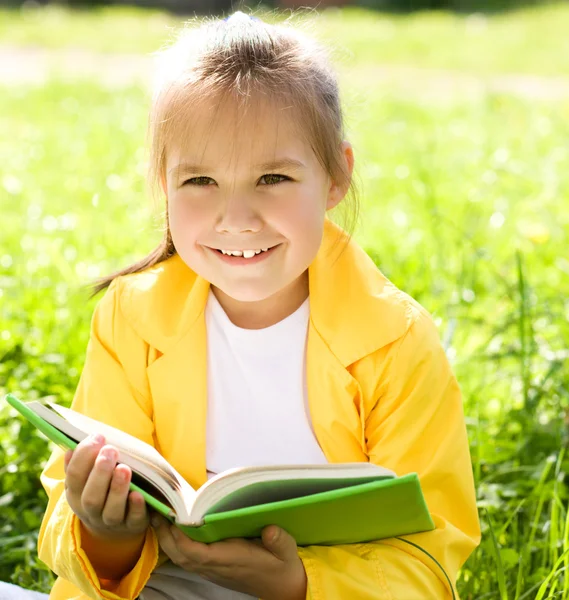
(337, 192)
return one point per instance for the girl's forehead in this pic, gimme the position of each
(235, 134)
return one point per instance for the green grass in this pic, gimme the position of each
(533, 40)
(465, 207)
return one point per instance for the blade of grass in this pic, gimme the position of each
(519, 578)
(500, 574)
(511, 518)
(554, 572)
(522, 327)
(556, 506)
(565, 594)
(541, 500)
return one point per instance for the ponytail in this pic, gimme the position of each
(161, 253)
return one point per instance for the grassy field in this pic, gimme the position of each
(465, 206)
(533, 40)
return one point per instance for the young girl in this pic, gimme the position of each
(257, 333)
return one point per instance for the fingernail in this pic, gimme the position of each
(98, 439)
(155, 520)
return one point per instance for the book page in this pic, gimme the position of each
(137, 454)
(250, 486)
(116, 437)
(264, 492)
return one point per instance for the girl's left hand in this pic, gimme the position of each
(268, 568)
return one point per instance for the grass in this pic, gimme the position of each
(512, 42)
(465, 207)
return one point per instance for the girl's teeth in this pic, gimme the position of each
(244, 253)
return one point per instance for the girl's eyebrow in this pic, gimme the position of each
(275, 165)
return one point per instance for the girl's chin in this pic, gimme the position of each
(240, 294)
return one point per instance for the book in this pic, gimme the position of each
(337, 503)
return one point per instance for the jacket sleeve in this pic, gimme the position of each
(108, 393)
(416, 425)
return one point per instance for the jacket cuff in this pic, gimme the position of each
(313, 585)
(130, 586)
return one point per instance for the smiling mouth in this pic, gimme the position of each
(241, 252)
(250, 257)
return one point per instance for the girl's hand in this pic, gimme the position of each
(268, 568)
(97, 490)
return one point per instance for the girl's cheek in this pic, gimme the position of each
(185, 209)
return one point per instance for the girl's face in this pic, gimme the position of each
(248, 186)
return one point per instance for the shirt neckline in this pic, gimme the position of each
(283, 335)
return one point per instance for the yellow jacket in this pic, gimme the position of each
(380, 389)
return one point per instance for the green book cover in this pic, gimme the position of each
(360, 513)
(370, 508)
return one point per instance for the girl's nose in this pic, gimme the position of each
(237, 215)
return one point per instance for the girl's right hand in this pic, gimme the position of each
(97, 490)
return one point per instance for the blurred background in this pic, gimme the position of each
(458, 111)
(214, 6)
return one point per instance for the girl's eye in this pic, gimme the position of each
(200, 181)
(273, 178)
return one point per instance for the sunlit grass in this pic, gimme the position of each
(533, 40)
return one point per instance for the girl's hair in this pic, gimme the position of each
(245, 60)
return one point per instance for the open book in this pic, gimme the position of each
(317, 504)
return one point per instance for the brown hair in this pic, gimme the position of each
(243, 58)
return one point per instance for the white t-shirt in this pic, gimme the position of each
(257, 414)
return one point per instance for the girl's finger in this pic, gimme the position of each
(66, 458)
(80, 466)
(116, 503)
(95, 491)
(169, 546)
(196, 553)
(156, 520)
(137, 512)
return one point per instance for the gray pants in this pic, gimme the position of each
(9, 591)
(168, 582)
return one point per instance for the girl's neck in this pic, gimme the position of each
(267, 312)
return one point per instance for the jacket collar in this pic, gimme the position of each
(353, 307)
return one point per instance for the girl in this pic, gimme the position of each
(257, 333)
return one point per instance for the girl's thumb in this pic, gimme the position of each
(279, 542)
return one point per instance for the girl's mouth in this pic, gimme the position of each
(241, 260)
